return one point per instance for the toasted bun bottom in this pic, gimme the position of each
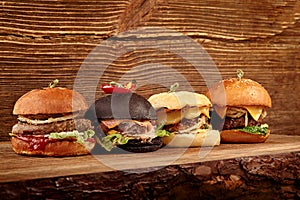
(60, 148)
(236, 136)
(209, 138)
(136, 146)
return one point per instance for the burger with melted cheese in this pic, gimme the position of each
(185, 119)
(125, 120)
(243, 110)
(51, 123)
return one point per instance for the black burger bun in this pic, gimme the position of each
(137, 146)
(126, 107)
(121, 106)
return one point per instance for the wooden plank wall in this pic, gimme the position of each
(44, 40)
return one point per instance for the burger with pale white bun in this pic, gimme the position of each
(184, 119)
(242, 111)
(51, 123)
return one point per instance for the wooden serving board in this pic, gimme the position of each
(14, 167)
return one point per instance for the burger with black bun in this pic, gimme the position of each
(242, 111)
(125, 120)
(51, 123)
(184, 119)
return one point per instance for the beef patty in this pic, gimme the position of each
(42, 129)
(233, 123)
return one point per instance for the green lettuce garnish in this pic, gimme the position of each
(260, 130)
(79, 136)
(162, 133)
(206, 126)
(110, 141)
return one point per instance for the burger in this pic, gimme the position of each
(51, 123)
(125, 120)
(240, 105)
(184, 119)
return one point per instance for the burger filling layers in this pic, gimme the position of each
(120, 131)
(38, 130)
(248, 118)
(189, 126)
(132, 128)
(188, 120)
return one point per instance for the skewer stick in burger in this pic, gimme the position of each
(243, 110)
(185, 119)
(124, 119)
(51, 123)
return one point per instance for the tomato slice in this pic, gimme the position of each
(109, 89)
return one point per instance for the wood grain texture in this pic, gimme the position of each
(262, 38)
(228, 171)
(219, 20)
(44, 40)
(240, 178)
(15, 167)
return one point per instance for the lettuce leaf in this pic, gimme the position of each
(162, 133)
(110, 141)
(80, 136)
(260, 130)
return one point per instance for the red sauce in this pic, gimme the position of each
(39, 142)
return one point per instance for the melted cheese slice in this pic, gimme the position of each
(175, 116)
(111, 132)
(171, 117)
(255, 111)
(111, 123)
(194, 112)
